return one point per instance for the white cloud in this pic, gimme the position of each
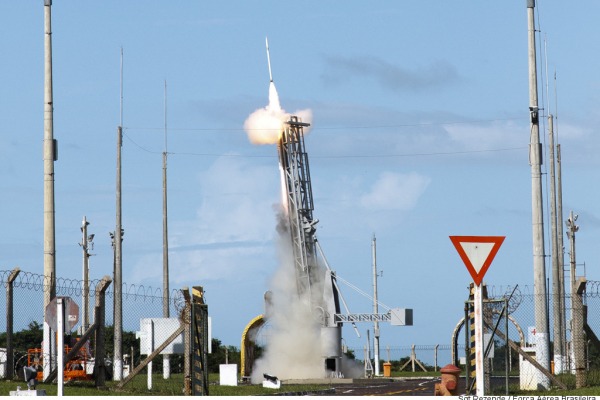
(230, 237)
(395, 191)
(497, 135)
(237, 201)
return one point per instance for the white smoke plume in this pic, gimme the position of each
(293, 348)
(294, 344)
(264, 126)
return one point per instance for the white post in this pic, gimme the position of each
(60, 327)
(479, 368)
(375, 309)
(85, 318)
(150, 342)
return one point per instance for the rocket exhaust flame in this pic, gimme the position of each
(265, 125)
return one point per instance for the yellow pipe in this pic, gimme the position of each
(255, 323)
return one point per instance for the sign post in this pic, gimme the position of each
(478, 252)
(61, 314)
(60, 323)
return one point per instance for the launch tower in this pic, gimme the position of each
(315, 282)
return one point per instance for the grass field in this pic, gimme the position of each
(174, 387)
(160, 387)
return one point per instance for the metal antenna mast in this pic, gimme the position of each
(535, 160)
(561, 250)
(559, 232)
(50, 155)
(557, 273)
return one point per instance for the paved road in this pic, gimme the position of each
(387, 387)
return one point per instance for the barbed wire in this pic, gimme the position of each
(418, 347)
(75, 287)
(592, 289)
(505, 290)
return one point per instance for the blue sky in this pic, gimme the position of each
(420, 131)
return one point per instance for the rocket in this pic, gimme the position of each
(269, 60)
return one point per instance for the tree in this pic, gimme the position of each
(30, 338)
(220, 354)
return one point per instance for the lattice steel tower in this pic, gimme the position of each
(315, 282)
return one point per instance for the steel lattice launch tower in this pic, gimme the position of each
(315, 282)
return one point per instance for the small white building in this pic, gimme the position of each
(2, 362)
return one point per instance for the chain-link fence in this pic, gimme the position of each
(508, 365)
(138, 302)
(512, 367)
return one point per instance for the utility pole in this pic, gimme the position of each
(577, 328)
(375, 308)
(118, 238)
(50, 155)
(368, 365)
(557, 273)
(166, 360)
(86, 243)
(535, 159)
(561, 255)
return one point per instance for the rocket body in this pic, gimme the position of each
(269, 59)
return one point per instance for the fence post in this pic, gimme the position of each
(578, 332)
(200, 334)
(10, 364)
(99, 320)
(186, 315)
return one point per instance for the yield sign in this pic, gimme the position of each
(477, 252)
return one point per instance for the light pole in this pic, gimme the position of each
(87, 243)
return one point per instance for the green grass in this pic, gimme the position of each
(174, 387)
(160, 387)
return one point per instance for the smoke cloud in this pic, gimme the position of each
(294, 344)
(293, 348)
(264, 126)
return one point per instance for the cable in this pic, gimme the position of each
(331, 128)
(445, 153)
(360, 291)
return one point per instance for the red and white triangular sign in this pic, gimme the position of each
(477, 252)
